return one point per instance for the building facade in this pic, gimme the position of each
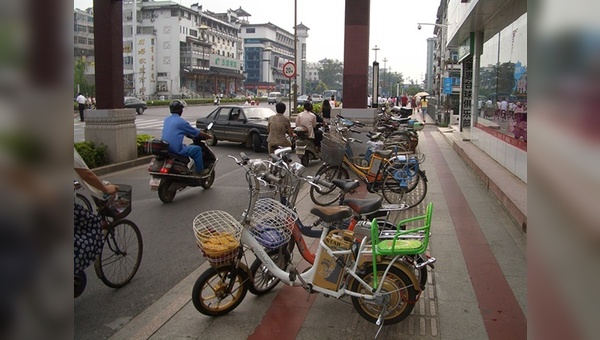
(491, 38)
(178, 51)
(83, 41)
(267, 47)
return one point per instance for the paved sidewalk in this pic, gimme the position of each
(476, 291)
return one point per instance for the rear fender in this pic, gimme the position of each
(384, 263)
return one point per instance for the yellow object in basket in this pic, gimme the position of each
(219, 243)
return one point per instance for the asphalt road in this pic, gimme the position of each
(152, 120)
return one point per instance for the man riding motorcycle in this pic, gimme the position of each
(175, 128)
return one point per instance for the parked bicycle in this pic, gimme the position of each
(364, 210)
(122, 247)
(382, 288)
(399, 178)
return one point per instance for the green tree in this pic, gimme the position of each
(331, 73)
(321, 87)
(79, 75)
(79, 78)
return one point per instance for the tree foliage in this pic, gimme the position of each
(331, 73)
(79, 78)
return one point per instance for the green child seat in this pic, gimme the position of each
(405, 242)
(402, 243)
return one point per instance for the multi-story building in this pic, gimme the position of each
(267, 47)
(178, 51)
(312, 71)
(83, 35)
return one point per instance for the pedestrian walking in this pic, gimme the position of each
(81, 101)
(326, 111)
(424, 106)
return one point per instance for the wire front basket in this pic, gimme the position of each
(218, 236)
(271, 223)
(333, 148)
(118, 206)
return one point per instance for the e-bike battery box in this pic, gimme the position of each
(329, 272)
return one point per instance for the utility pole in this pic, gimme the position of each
(295, 53)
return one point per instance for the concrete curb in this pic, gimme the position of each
(103, 170)
(506, 187)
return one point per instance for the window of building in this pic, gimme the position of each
(250, 30)
(193, 33)
(174, 13)
(503, 72)
(82, 40)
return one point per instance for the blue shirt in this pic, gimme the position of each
(174, 129)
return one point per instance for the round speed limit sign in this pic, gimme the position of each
(289, 69)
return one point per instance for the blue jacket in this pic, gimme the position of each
(174, 129)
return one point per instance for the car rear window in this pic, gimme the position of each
(258, 112)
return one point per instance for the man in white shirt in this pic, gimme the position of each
(81, 101)
(503, 108)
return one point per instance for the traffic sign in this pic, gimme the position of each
(289, 69)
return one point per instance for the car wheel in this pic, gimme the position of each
(139, 110)
(213, 140)
(256, 142)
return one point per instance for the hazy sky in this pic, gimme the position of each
(393, 27)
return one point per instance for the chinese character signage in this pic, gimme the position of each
(145, 79)
(224, 62)
(466, 93)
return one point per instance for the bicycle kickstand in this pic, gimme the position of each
(380, 320)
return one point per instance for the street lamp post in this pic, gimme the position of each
(384, 72)
(375, 49)
(442, 49)
(375, 85)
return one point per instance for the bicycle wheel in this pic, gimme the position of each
(398, 293)
(121, 254)
(421, 273)
(399, 138)
(403, 185)
(218, 292)
(324, 196)
(84, 202)
(262, 280)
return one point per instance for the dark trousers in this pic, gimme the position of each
(81, 108)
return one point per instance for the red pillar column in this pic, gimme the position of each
(356, 53)
(108, 51)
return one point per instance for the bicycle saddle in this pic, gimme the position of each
(364, 206)
(332, 214)
(346, 185)
(384, 153)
